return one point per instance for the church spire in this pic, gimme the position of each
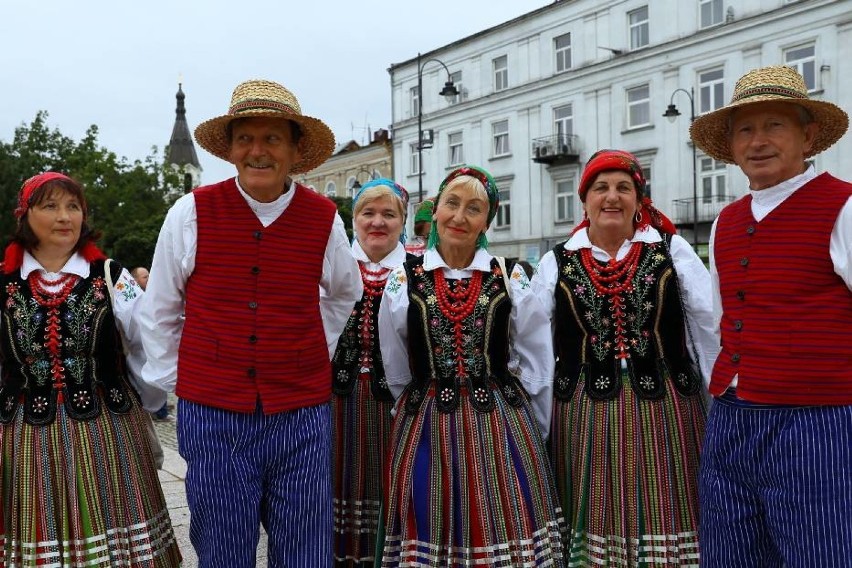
(181, 154)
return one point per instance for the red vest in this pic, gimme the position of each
(253, 328)
(787, 316)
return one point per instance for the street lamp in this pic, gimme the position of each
(356, 185)
(449, 91)
(672, 113)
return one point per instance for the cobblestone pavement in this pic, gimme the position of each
(172, 478)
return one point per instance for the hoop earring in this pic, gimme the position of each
(638, 216)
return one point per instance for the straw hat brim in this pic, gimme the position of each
(316, 146)
(710, 131)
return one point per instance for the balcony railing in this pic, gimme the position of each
(708, 209)
(556, 149)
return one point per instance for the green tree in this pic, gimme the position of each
(344, 208)
(127, 200)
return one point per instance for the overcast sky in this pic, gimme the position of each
(116, 64)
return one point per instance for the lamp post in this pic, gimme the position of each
(356, 185)
(672, 113)
(448, 91)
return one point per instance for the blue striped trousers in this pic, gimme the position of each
(248, 469)
(775, 486)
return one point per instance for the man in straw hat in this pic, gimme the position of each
(775, 470)
(261, 268)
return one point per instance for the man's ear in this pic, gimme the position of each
(811, 131)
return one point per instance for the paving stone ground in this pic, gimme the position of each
(172, 478)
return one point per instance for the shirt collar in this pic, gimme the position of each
(256, 205)
(580, 239)
(393, 259)
(75, 265)
(481, 261)
(777, 193)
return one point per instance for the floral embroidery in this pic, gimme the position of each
(396, 280)
(127, 292)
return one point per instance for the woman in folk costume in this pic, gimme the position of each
(361, 405)
(79, 483)
(468, 482)
(633, 332)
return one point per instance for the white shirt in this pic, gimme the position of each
(693, 280)
(161, 314)
(393, 259)
(763, 202)
(125, 305)
(530, 341)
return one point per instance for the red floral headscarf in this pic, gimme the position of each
(619, 160)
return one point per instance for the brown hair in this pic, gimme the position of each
(24, 234)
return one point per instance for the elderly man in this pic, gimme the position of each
(261, 268)
(775, 485)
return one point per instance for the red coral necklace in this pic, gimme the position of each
(52, 301)
(374, 285)
(457, 304)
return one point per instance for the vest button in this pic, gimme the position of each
(750, 230)
(255, 270)
(253, 305)
(738, 324)
(258, 235)
(744, 261)
(251, 372)
(741, 294)
(252, 339)
(735, 358)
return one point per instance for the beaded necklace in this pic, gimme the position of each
(612, 280)
(374, 285)
(52, 301)
(457, 304)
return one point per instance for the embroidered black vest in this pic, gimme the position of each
(486, 340)
(347, 362)
(649, 325)
(92, 363)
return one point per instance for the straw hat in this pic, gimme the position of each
(768, 84)
(259, 98)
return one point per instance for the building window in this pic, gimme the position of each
(415, 101)
(646, 171)
(565, 201)
(456, 78)
(562, 48)
(637, 21)
(711, 90)
(712, 174)
(501, 73)
(638, 106)
(415, 160)
(500, 134)
(350, 183)
(803, 59)
(711, 12)
(563, 119)
(504, 211)
(331, 189)
(456, 144)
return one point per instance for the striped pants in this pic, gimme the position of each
(248, 469)
(775, 486)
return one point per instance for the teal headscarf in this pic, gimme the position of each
(491, 190)
(397, 189)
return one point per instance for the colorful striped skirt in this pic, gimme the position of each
(470, 488)
(627, 474)
(83, 493)
(361, 427)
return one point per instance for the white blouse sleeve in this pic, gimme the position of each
(531, 342)
(697, 294)
(125, 306)
(393, 331)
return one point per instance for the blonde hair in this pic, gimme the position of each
(465, 182)
(377, 192)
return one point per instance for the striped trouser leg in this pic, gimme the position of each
(770, 486)
(297, 506)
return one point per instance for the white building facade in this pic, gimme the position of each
(541, 93)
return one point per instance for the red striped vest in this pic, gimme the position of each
(787, 316)
(253, 328)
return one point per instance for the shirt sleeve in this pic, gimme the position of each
(162, 306)
(696, 291)
(840, 245)
(531, 340)
(393, 332)
(340, 284)
(126, 302)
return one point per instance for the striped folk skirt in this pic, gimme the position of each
(83, 493)
(627, 474)
(361, 427)
(470, 488)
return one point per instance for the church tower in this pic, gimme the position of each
(181, 154)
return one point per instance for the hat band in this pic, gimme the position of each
(768, 90)
(261, 104)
